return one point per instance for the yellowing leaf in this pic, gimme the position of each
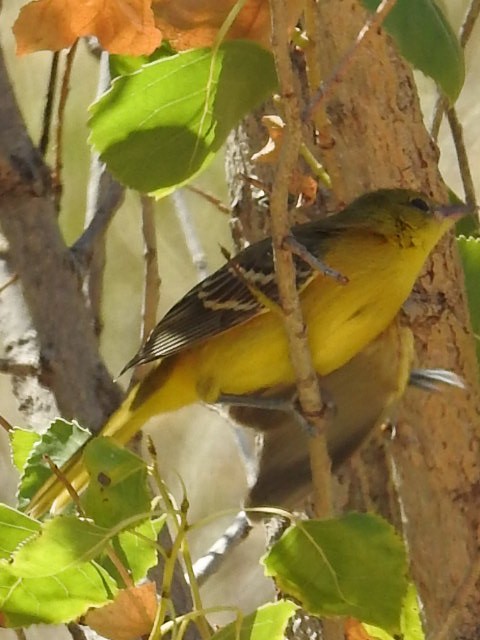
(121, 26)
(130, 616)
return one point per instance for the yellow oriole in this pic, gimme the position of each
(221, 339)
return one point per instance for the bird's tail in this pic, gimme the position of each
(168, 387)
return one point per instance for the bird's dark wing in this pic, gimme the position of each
(227, 297)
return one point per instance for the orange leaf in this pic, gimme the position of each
(354, 630)
(121, 26)
(130, 616)
(195, 23)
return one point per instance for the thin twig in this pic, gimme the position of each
(9, 282)
(372, 24)
(109, 200)
(64, 91)
(466, 29)
(76, 631)
(18, 369)
(48, 109)
(75, 498)
(194, 246)
(308, 390)
(438, 112)
(212, 560)
(299, 250)
(442, 106)
(462, 157)
(152, 281)
(4, 424)
(469, 22)
(179, 517)
(104, 197)
(209, 197)
(151, 297)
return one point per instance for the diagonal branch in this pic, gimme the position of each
(307, 383)
(45, 322)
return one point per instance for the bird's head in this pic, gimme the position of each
(406, 215)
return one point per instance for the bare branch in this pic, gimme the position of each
(62, 103)
(466, 29)
(45, 322)
(151, 296)
(308, 389)
(195, 248)
(48, 110)
(17, 368)
(152, 281)
(211, 561)
(462, 157)
(104, 198)
(209, 197)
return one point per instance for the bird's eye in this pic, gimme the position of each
(418, 203)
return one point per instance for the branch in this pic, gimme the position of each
(104, 197)
(152, 281)
(45, 322)
(462, 157)
(466, 29)
(194, 246)
(48, 110)
(209, 197)
(214, 558)
(442, 106)
(307, 383)
(62, 103)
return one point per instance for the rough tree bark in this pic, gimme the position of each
(45, 320)
(426, 481)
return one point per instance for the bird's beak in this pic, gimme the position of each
(453, 211)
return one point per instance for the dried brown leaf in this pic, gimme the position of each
(121, 26)
(129, 617)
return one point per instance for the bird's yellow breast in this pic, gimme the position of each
(341, 320)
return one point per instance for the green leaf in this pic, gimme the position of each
(64, 543)
(53, 600)
(426, 39)
(15, 528)
(136, 549)
(470, 254)
(121, 65)
(411, 623)
(59, 442)
(22, 442)
(160, 126)
(354, 565)
(118, 488)
(266, 623)
(67, 541)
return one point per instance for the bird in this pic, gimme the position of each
(225, 339)
(360, 396)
